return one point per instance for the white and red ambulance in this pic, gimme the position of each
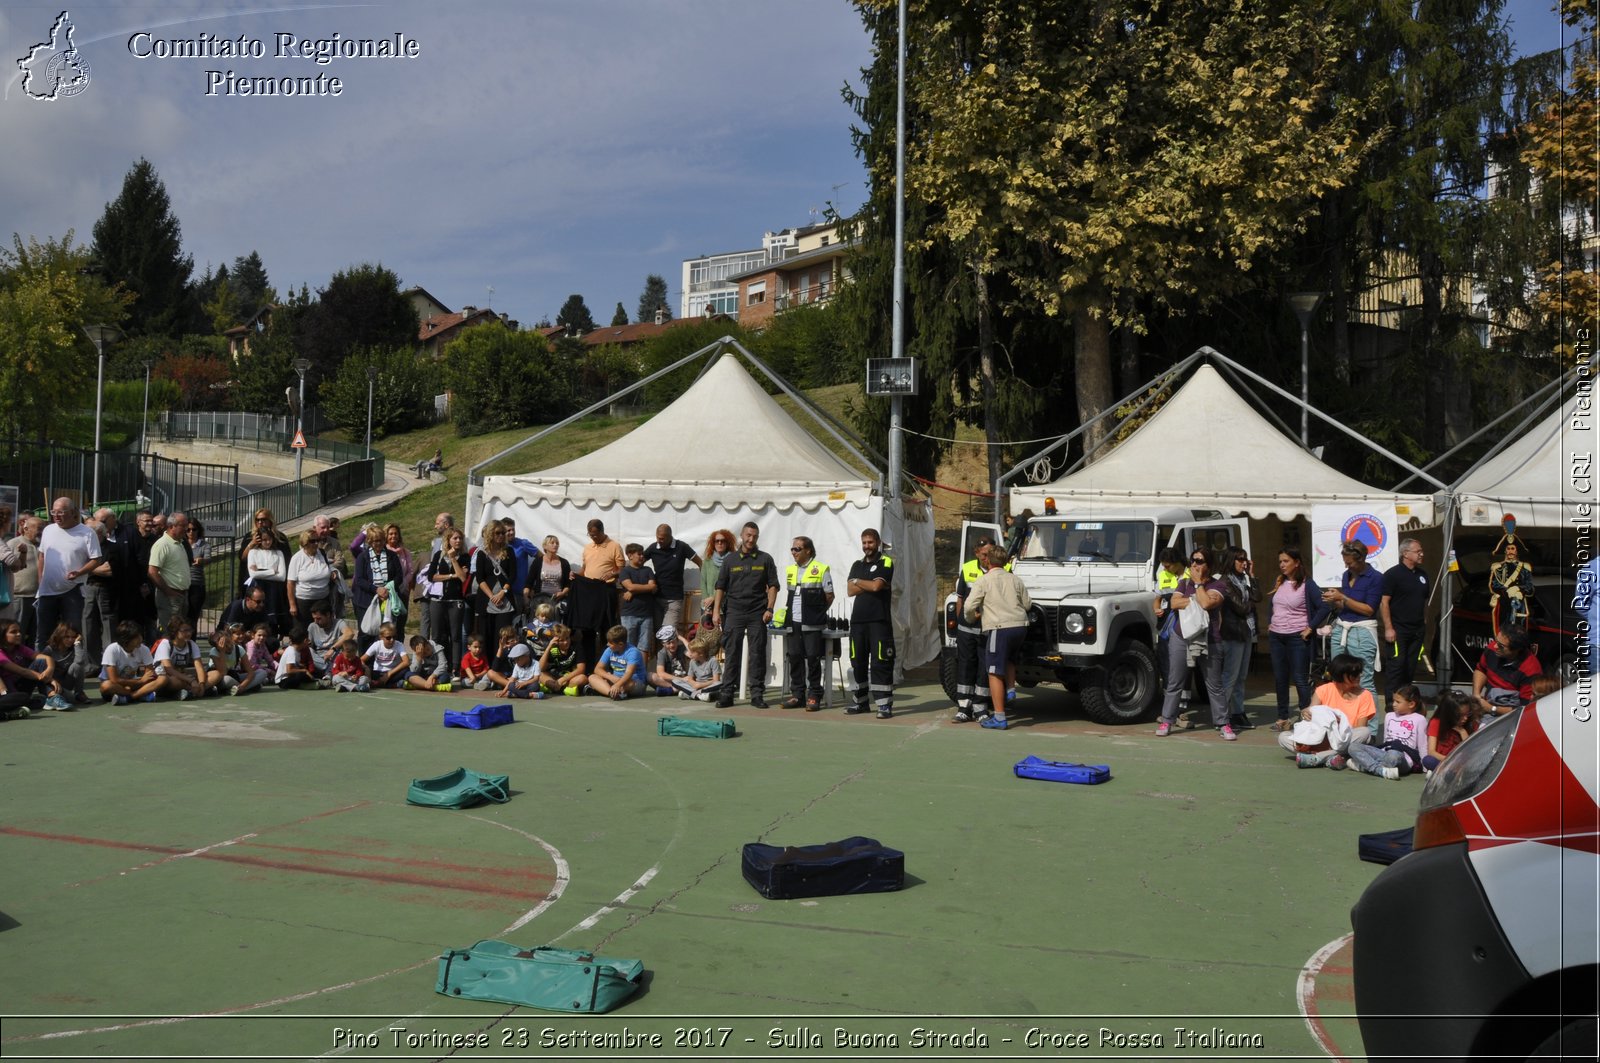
(1485, 939)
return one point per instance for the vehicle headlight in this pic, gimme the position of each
(1464, 774)
(1074, 624)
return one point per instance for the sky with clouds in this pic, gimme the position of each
(538, 147)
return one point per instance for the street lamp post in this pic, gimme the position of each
(1304, 304)
(372, 377)
(144, 416)
(300, 366)
(99, 335)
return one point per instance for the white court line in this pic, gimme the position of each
(1305, 987)
(563, 876)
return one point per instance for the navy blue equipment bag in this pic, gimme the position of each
(1057, 771)
(1385, 847)
(854, 865)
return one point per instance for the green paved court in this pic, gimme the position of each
(251, 861)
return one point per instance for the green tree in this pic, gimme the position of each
(360, 308)
(653, 298)
(47, 364)
(806, 345)
(249, 280)
(1563, 148)
(402, 393)
(1108, 156)
(138, 244)
(620, 317)
(575, 316)
(661, 351)
(262, 378)
(504, 379)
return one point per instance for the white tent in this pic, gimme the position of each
(1546, 476)
(1208, 448)
(725, 453)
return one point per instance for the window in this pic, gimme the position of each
(756, 293)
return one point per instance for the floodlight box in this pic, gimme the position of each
(891, 376)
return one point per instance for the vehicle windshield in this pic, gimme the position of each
(1102, 542)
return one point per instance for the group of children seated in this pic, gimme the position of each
(1337, 730)
(534, 661)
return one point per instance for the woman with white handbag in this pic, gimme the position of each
(1192, 614)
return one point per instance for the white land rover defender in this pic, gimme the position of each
(1092, 577)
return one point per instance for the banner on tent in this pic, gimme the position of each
(1377, 527)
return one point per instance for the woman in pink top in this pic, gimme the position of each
(1297, 610)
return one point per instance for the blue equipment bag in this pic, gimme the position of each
(1385, 847)
(478, 717)
(1056, 771)
(854, 865)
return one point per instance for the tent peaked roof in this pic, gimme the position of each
(1208, 448)
(724, 442)
(1533, 476)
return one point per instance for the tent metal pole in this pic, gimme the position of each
(1006, 476)
(1535, 397)
(1353, 434)
(837, 431)
(472, 473)
(1532, 418)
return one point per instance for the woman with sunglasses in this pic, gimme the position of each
(1201, 586)
(262, 521)
(718, 546)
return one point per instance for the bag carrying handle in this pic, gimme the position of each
(492, 790)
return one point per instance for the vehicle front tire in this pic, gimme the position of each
(947, 671)
(1123, 689)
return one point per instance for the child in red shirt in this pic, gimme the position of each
(347, 669)
(474, 666)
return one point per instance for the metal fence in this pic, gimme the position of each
(209, 493)
(253, 431)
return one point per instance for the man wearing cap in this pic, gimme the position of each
(808, 593)
(969, 635)
(1355, 604)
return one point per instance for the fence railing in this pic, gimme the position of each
(250, 431)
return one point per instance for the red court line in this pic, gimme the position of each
(275, 865)
(504, 871)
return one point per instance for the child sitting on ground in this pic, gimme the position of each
(524, 679)
(65, 647)
(474, 666)
(224, 665)
(295, 668)
(620, 671)
(348, 672)
(672, 661)
(705, 674)
(1405, 733)
(500, 668)
(561, 668)
(388, 658)
(260, 663)
(429, 669)
(27, 672)
(128, 671)
(1451, 725)
(178, 661)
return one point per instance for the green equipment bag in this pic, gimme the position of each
(545, 977)
(672, 725)
(461, 788)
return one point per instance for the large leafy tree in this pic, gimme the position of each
(1564, 150)
(139, 244)
(575, 316)
(504, 379)
(361, 307)
(1106, 157)
(653, 298)
(996, 375)
(47, 364)
(402, 392)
